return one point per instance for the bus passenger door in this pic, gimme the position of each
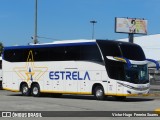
(114, 88)
(111, 85)
(119, 89)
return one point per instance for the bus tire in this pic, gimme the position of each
(99, 93)
(25, 90)
(35, 90)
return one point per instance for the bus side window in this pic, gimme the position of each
(41, 54)
(91, 53)
(72, 53)
(56, 54)
(8, 54)
(12, 56)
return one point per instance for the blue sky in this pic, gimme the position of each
(70, 19)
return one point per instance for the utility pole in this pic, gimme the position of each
(93, 31)
(35, 41)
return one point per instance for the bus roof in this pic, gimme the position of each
(63, 43)
(71, 41)
(55, 43)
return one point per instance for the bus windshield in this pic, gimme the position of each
(137, 74)
(119, 70)
(132, 52)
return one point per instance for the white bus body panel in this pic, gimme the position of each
(1, 69)
(0, 74)
(96, 74)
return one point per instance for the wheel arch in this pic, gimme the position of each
(95, 85)
(33, 83)
(20, 87)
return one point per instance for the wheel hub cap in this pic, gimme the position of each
(35, 91)
(99, 93)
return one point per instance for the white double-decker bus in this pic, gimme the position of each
(90, 67)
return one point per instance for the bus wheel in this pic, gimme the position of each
(120, 98)
(99, 93)
(36, 90)
(25, 90)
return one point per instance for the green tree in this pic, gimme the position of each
(1, 48)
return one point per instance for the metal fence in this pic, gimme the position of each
(154, 77)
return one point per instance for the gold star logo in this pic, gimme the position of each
(30, 75)
(29, 72)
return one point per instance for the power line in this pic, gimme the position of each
(47, 38)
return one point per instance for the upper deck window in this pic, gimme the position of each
(59, 52)
(132, 52)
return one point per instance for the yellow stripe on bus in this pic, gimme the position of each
(13, 90)
(79, 93)
(66, 92)
(115, 94)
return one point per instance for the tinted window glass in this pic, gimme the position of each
(109, 48)
(41, 54)
(91, 53)
(54, 53)
(132, 52)
(72, 53)
(115, 69)
(14, 55)
(7, 55)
